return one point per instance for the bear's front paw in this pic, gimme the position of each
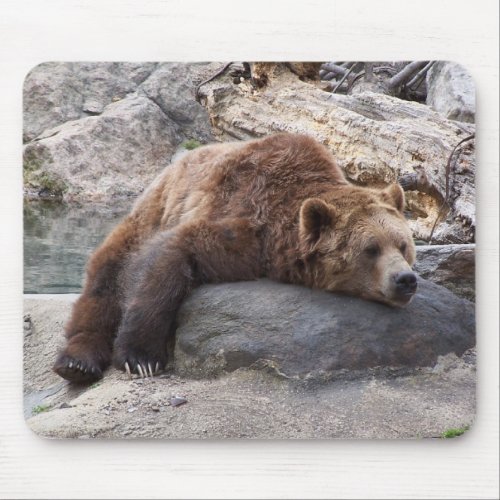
(84, 358)
(77, 370)
(139, 361)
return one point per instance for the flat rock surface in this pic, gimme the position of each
(245, 403)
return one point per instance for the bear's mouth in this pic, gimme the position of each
(403, 299)
(396, 299)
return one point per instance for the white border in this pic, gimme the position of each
(32, 31)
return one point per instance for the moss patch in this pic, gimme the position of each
(452, 433)
(191, 144)
(36, 176)
(46, 182)
(31, 161)
(40, 409)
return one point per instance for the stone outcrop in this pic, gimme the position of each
(100, 131)
(451, 91)
(115, 154)
(172, 87)
(56, 92)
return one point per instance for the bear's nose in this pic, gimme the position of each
(406, 282)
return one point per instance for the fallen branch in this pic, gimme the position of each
(447, 179)
(406, 74)
(213, 77)
(343, 79)
(419, 77)
(334, 68)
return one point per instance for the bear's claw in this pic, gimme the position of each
(138, 361)
(142, 369)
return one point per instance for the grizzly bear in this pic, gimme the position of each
(277, 207)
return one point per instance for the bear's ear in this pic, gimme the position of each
(395, 196)
(315, 215)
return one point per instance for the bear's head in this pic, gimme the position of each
(356, 241)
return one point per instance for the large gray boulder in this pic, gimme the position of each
(104, 130)
(304, 333)
(57, 92)
(451, 91)
(115, 154)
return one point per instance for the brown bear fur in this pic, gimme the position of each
(277, 207)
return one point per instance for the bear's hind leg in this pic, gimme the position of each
(97, 313)
(165, 271)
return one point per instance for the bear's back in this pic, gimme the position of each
(255, 179)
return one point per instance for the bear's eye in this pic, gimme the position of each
(402, 247)
(372, 250)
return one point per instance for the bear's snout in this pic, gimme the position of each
(406, 283)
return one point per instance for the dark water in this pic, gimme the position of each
(58, 240)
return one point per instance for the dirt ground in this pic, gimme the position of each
(242, 404)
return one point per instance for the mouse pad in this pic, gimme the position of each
(249, 250)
